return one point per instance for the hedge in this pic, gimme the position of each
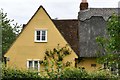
(67, 74)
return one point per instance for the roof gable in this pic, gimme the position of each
(25, 47)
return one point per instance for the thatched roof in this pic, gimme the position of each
(92, 23)
(104, 12)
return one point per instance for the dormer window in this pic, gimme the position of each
(40, 35)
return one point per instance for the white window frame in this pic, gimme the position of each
(33, 66)
(35, 36)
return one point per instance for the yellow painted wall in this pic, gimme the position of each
(86, 63)
(26, 48)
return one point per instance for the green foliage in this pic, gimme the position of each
(10, 73)
(9, 32)
(109, 47)
(53, 61)
(66, 74)
(74, 73)
(113, 30)
(103, 45)
(102, 74)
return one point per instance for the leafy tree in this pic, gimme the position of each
(9, 32)
(109, 50)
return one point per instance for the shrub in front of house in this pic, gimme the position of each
(75, 73)
(66, 74)
(81, 74)
(16, 74)
(103, 75)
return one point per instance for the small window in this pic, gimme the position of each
(30, 64)
(33, 65)
(41, 36)
(93, 65)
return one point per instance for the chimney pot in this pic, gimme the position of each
(83, 1)
(84, 5)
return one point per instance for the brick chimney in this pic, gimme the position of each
(84, 5)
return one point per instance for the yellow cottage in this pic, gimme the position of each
(39, 34)
(42, 32)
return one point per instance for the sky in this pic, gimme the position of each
(22, 10)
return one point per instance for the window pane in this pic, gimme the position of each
(43, 37)
(43, 32)
(36, 65)
(30, 64)
(38, 32)
(38, 37)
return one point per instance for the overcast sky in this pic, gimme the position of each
(22, 10)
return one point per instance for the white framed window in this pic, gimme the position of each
(33, 65)
(40, 35)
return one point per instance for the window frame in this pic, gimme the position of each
(35, 36)
(33, 64)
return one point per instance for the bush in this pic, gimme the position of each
(66, 74)
(12, 74)
(74, 73)
(103, 75)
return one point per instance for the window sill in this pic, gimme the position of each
(40, 41)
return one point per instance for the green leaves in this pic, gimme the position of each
(110, 45)
(74, 73)
(12, 74)
(53, 61)
(113, 30)
(9, 32)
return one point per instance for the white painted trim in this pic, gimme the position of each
(46, 36)
(33, 62)
(27, 64)
(38, 65)
(33, 65)
(35, 34)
